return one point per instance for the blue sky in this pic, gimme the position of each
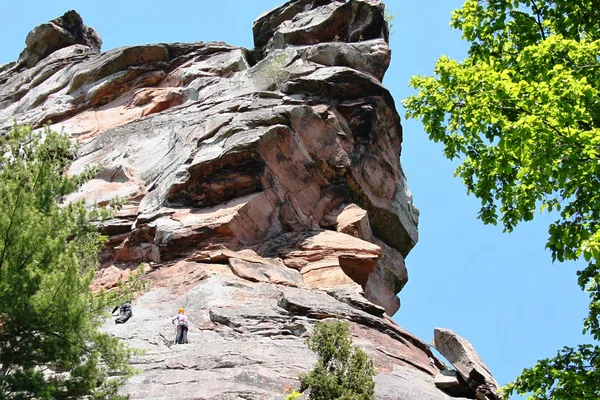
(500, 291)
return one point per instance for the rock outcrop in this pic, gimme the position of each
(460, 352)
(61, 32)
(262, 189)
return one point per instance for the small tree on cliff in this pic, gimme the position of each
(49, 318)
(523, 111)
(341, 372)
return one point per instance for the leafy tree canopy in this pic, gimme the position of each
(50, 346)
(522, 112)
(341, 372)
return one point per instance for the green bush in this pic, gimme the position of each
(341, 372)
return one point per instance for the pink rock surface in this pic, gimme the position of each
(209, 144)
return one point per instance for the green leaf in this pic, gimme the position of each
(524, 104)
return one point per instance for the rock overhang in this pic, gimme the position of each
(307, 126)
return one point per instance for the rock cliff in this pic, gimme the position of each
(262, 188)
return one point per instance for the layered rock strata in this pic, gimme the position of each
(262, 189)
(289, 150)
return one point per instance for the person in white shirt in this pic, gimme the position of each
(182, 326)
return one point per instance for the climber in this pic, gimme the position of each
(182, 326)
(124, 313)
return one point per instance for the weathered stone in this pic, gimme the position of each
(272, 271)
(7, 66)
(391, 267)
(241, 338)
(354, 296)
(388, 279)
(340, 82)
(268, 22)
(353, 221)
(326, 258)
(115, 226)
(377, 290)
(461, 354)
(416, 386)
(450, 382)
(61, 32)
(371, 56)
(354, 21)
(189, 134)
(110, 277)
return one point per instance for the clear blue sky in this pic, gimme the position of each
(500, 291)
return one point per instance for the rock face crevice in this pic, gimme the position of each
(263, 191)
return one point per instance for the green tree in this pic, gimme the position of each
(341, 372)
(522, 112)
(50, 346)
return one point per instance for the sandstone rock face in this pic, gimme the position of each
(263, 191)
(289, 150)
(247, 339)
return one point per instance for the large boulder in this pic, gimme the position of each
(309, 22)
(61, 32)
(460, 352)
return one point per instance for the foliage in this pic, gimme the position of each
(341, 372)
(522, 111)
(572, 374)
(50, 346)
(293, 395)
(389, 19)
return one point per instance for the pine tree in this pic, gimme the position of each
(50, 345)
(341, 372)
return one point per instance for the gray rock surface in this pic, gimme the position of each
(61, 32)
(450, 382)
(247, 340)
(404, 383)
(467, 362)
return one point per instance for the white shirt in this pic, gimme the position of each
(182, 319)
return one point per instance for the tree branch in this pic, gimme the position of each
(538, 18)
(6, 239)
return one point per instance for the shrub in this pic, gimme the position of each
(341, 372)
